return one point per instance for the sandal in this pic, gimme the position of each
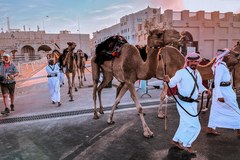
(177, 144)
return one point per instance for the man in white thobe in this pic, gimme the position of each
(189, 84)
(224, 112)
(53, 81)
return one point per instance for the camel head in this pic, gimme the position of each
(163, 37)
(155, 38)
(71, 46)
(233, 59)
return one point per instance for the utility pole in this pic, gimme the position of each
(79, 34)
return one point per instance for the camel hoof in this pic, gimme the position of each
(111, 122)
(70, 100)
(101, 112)
(143, 114)
(161, 115)
(148, 135)
(95, 117)
(76, 89)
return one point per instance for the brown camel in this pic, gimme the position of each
(236, 69)
(127, 69)
(55, 55)
(173, 60)
(81, 60)
(71, 68)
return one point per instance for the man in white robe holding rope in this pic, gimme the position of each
(53, 81)
(225, 112)
(189, 83)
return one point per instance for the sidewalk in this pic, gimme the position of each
(32, 96)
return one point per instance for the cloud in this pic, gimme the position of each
(169, 4)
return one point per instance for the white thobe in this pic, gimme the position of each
(189, 127)
(53, 82)
(227, 114)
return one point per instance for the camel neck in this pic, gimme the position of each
(150, 65)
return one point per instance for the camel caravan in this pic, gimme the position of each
(116, 58)
(73, 64)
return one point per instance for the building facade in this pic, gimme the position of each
(27, 45)
(209, 31)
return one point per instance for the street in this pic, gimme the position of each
(39, 130)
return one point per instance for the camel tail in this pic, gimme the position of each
(95, 70)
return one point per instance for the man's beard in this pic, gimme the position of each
(193, 67)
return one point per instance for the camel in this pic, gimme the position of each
(81, 60)
(236, 69)
(127, 69)
(173, 60)
(71, 68)
(55, 55)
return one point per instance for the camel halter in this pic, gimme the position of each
(165, 71)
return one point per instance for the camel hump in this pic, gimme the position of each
(109, 49)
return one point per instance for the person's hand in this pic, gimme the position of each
(209, 93)
(166, 78)
(221, 100)
(11, 76)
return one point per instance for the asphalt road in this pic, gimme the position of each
(80, 137)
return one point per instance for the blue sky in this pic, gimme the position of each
(93, 15)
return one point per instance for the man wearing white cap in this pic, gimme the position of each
(189, 84)
(53, 74)
(225, 112)
(7, 73)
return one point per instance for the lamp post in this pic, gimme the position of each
(43, 23)
(79, 34)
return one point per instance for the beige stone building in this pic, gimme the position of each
(206, 31)
(31, 45)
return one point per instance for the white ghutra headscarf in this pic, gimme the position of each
(219, 57)
(192, 57)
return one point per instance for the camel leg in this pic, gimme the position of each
(106, 80)
(95, 116)
(118, 90)
(95, 79)
(122, 91)
(84, 76)
(78, 73)
(146, 131)
(81, 78)
(73, 81)
(69, 87)
(163, 94)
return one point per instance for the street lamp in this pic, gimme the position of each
(43, 23)
(79, 34)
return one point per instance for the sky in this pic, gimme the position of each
(88, 16)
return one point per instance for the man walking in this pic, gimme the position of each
(189, 83)
(53, 81)
(8, 72)
(225, 112)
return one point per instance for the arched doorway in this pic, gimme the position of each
(44, 50)
(188, 42)
(14, 52)
(28, 49)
